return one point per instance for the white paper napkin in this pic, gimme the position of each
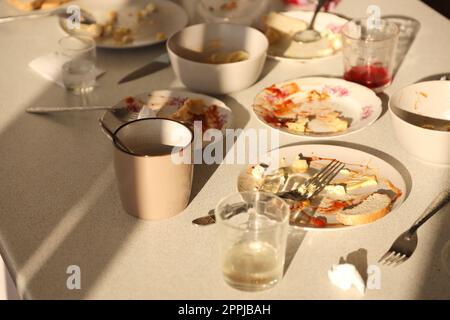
(50, 67)
(345, 276)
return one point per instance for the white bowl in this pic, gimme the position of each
(430, 99)
(224, 78)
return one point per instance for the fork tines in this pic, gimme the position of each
(392, 258)
(328, 173)
(322, 178)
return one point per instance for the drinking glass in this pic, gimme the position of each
(252, 235)
(369, 52)
(78, 73)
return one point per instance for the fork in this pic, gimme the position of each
(305, 191)
(405, 245)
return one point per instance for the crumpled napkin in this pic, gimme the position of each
(50, 67)
(345, 276)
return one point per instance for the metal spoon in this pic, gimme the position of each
(61, 12)
(114, 137)
(310, 35)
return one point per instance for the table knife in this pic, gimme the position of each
(155, 65)
(66, 109)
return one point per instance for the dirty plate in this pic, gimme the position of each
(164, 104)
(159, 25)
(317, 107)
(364, 174)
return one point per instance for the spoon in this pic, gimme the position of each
(61, 12)
(310, 35)
(114, 137)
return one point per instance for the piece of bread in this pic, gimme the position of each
(27, 4)
(374, 207)
(284, 24)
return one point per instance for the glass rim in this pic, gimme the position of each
(89, 45)
(285, 208)
(359, 20)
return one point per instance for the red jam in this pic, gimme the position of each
(371, 76)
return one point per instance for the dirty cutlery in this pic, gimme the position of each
(310, 34)
(307, 190)
(114, 137)
(159, 63)
(122, 114)
(405, 245)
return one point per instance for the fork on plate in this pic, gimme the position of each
(297, 192)
(405, 245)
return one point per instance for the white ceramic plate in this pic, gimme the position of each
(168, 19)
(359, 105)
(353, 158)
(324, 22)
(163, 103)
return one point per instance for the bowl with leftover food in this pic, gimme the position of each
(122, 24)
(317, 107)
(218, 58)
(365, 190)
(420, 115)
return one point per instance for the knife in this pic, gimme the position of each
(155, 65)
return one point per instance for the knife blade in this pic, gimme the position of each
(155, 65)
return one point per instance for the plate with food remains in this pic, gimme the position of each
(365, 190)
(129, 24)
(181, 106)
(280, 27)
(317, 107)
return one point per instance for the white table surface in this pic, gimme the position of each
(59, 204)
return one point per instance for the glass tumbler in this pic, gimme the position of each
(253, 229)
(79, 72)
(369, 52)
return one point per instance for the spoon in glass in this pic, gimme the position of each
(309, 34)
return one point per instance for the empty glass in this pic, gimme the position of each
(79, 72)
(369, 52)
(253, 234)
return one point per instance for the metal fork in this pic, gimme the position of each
(315, 184)
(307, 190)
(405, 245)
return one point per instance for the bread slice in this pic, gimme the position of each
(285, 24)
(374, 207)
